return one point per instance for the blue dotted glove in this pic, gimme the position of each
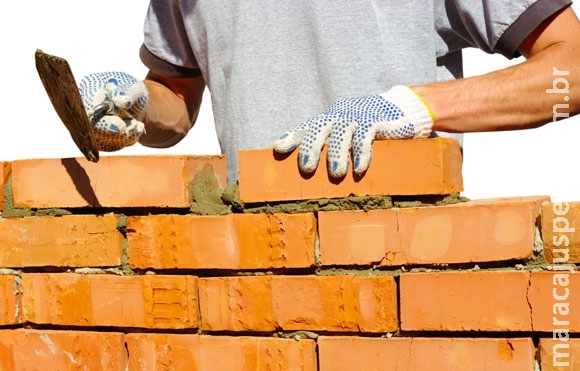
(397, 114)
(125, 96)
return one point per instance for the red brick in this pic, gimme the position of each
(317, 303)
(358, 353)
(487, 301)
(240, 241)
(399, 167)
(561, 232)
(5, 170)
(115, 181)
(9, 301)
(208, 353)
(465, 301)
(67, 241)
(163, 302)
(61, 350)
(476, 231)
(554, 297)
(567, 355)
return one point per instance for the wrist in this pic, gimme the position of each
(415, 108)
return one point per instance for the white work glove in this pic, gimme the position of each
(355, 122)
(125, 96)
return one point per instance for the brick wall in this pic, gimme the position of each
(151, 263)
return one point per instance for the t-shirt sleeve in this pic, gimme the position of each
(166, 48)
(494, 26)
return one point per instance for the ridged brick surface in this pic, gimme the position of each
(316, 303)
(67, 241)
(209, 353)
(241, 241)
(399, 167)
(159, 302)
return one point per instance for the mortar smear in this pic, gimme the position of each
(206, 195)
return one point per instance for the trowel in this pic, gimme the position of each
(61, 87)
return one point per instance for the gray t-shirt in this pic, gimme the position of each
(269, 65)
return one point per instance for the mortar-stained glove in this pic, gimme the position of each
(355, 122)
(114, 102)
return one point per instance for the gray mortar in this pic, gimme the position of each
(538, 242)
(206, 195)
(353, 271)
(125, 269)
(11, 211)
(18, 292)
(297, 335)
(9, 272)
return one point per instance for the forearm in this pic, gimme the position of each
(514, 98)
(171, 109)
(518, 97)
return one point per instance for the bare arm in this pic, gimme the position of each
(516, 97)
(171, 110)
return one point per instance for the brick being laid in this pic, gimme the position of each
(398, 168)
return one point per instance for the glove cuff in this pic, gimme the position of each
(414, 108)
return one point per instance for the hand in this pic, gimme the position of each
(114, 101)
(397, 114)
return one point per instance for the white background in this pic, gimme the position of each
(106, 35)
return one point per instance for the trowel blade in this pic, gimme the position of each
(61, 87)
